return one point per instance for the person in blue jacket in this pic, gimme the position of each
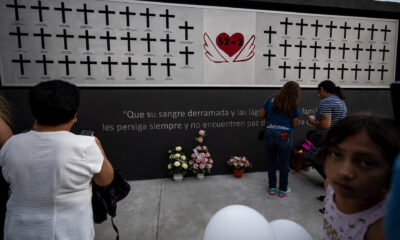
(391, 221)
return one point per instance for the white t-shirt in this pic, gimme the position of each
(50, 180)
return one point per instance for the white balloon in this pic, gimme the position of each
(238, 222)
(284, 229)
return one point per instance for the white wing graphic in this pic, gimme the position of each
(247, 51)
(212, 52)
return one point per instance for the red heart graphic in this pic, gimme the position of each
(230, 45)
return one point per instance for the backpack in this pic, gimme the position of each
(104, 199)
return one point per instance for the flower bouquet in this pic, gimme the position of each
(238, 164)
(177, 163)
(201, 161)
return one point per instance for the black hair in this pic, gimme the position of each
(383, 131)
(54, 102)
(330, 87)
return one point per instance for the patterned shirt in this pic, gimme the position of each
(341, 226)
(333, 106)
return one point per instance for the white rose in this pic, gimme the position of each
(178, 148)
(169, 166)
(183, 157)
(177, 155)
(177, 163)
(185, 166)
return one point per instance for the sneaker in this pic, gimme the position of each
(288, 190)
(272, 191)
(282, 194)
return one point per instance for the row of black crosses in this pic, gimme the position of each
(316, 25)
(127, 13)
(343, 48)
(299, 67)
(89, 62)
(87, 37)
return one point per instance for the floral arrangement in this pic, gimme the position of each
(201, 161)
(177, 161)
(239, 162)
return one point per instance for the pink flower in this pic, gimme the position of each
(198, 147)
(195, 166)
(210, 161)
(202, 155)
(202, 166)
(202, 132)
(235, 164)
(241, 164)
(209, 166)
(200, 139)
(208, 154)
(193, 155)
(191, 162)
(204, 147)
(205, 159)
(228, 162)
(197, 160)
(247, 164)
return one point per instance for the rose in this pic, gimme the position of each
(197, 160)
(193, 155)
(235, 164)
(210, 161)
(202, 166)
(191, 162)
(177, 155)
(183, 157)
(200, 139)
(178, 148)
(184, 166)
(202, 132)
(205, 159)
(209, 166)
(177, 163)
(202, 155)
(208, 155)
(247, 164)
(204, 147)
(195, 166)
(198, 148)
(169, 166)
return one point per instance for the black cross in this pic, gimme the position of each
(45, 62)
(300, 46)
(359, 28)
(67, 62)
(19, 34)
(386, 31)
(40, 8)
(149, 64)
(186, 27)
(329, 68)
(330, 49)
(127, 13)
(42, 36)
(186, 52)
(270, 32)
(108, 37)
(356, 69)
(285, 46)
(345, 28)
(63, 10)
(129, 63)
(369, 71)
(106, 12)
(342, 69)
(149, 40)
(384, 51)
(109, 63)
(344, 48)
(315, 46)
(372, 29)
(314, 68)
(167, 16)
(128, 39)
(370, 50)
(167, 40)
(382, 70)
(148, 15)
(286, 23)
(89, 63)
(21, 62)
(299, 67)
(284, 68)
(65, 36)
(87, 37)
(269, 55)
(330, 26)
(85, 11)
(16, 7)
(301, 24)
(316, 25)
(168, 64)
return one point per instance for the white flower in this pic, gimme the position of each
(177, 155)
(183, 157)
(177, 163)
(178, 148)
(185, 166)
(169, 166)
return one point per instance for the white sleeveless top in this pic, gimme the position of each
(338, 225)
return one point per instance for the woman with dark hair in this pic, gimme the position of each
(50, 170)
(282, 114)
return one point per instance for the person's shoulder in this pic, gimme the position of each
(375, 231)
